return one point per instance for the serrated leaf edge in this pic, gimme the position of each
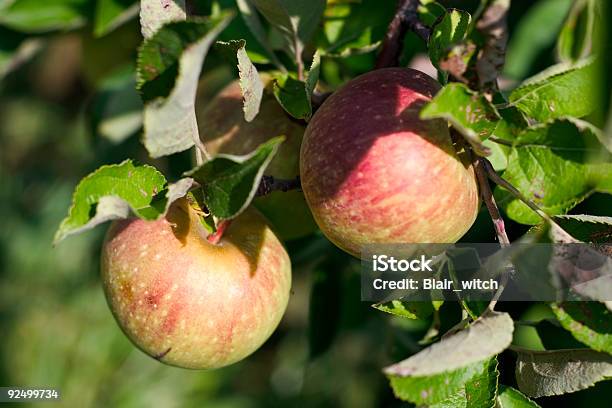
(276, 142)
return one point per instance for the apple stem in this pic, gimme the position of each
(216, 236)
(405, 18)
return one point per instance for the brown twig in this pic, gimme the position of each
(494, 28)
(299, 62)
(560, 234)
(191, 8)
(487, 197)
(500, 141)
(497, 179)
(405, 18)
(269, 184)
(498, 222)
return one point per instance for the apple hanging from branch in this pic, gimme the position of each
(190, 303)
(373, 172)
(224, 130)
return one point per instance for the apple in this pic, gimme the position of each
(188, 302)
(224, 130)
(374, 173)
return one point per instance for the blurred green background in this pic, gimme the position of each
(70, 106)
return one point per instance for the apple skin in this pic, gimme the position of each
(224, 130)
(190, 303)
(374, 173)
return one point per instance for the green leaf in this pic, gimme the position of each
(536, 31)
(556, 372)
(469, 112)
(600, 175)
(34, 16)
(479, 391)
(292, 95)
(313, 74)
(350, 50)
(587, 228)
(483, 339)
(229, 183)
(498, 154)
(295, 96)
(324, 306)
(115, 191)
(451, 388)
(510, 398)
(297, 20)
(353, 28)
(154, 14)
(410, 310)
(511, 124)
(430, 11)
(168, 70)
(111, 14)
(549, 164)
(451, 29)
(589, 322)
(561, 90)
(576, 38)
(250, 83)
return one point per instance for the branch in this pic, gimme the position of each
(498, 222)
(191, 8)
(494, 28)
(487, 196)
(497, 179)
(500, 141)
(269, 184)
(560, 235)
(405, 18)
(298, 59)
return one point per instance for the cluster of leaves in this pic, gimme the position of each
(538, 134)
(168, 69)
